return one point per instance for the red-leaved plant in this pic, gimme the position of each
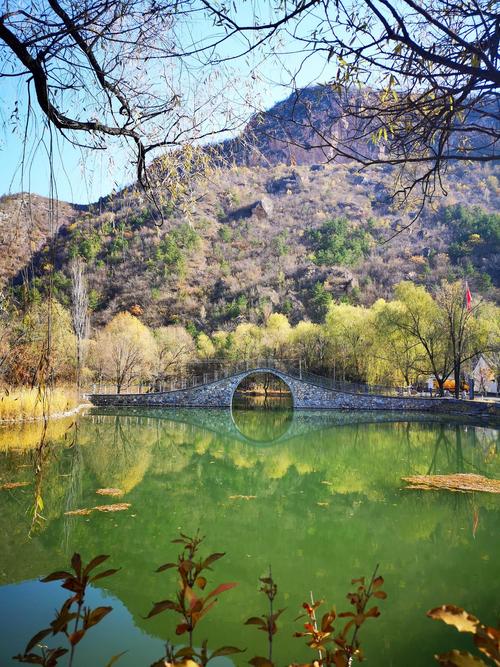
(266, 622)
(341, 647)
(191, 603)
(73, 619)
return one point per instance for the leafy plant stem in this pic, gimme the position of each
(315, 622)
(356, 629)
(77, 619)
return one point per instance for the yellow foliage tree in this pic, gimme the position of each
(125, 350)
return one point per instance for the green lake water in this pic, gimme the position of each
(318, 495)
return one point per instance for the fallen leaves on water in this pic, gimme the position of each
(242, 497)
(115, 507)
(14, 485)
(460, 482)
(110, 492)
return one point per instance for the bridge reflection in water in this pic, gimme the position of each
(262, 408)
(221, 421)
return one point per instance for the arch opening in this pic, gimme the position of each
(262, 407)
(262, 390)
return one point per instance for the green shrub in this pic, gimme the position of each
(226, 234)
(335, 242)
(475, 231)
(236, 307)
(85, 244)
(280, 243)
(175, 246)
(320, 300)
(94, 299)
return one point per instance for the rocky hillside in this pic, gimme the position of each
(26, 223)
(286, 132)
(278, 238)
(276, 231)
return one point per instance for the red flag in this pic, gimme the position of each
(468, 296)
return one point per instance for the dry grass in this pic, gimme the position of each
(109, 492)
(25, 403)
(116, 507)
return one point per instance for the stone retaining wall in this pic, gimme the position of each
(304, 395)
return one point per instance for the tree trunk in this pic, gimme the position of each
(456, 374)
(440, 386)
(78, 365)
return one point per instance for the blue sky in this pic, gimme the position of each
(84, 176)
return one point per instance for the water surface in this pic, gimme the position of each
(318, 495)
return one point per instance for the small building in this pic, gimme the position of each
(485, 381)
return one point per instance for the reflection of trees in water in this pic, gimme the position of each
(120, 453)
(262, 426)
(463, 449)
(193, 472)
(39, 457)
(74, 487)
(48, 482)
(363, 459)
(455, 450)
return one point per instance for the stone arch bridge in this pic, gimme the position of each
(307, 393)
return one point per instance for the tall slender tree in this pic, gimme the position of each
(79, 312)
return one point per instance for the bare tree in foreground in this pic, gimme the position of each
(113, 74)
(416, 84)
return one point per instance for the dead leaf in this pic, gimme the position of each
(242, 497)
(14, 485)
(456, 616)
(110, 492)
(116, 507)
(459, 659)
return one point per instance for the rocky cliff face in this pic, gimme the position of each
(286, 133)
(298, 130)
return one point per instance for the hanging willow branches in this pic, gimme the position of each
(416, 85)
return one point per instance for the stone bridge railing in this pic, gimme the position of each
(222, 369)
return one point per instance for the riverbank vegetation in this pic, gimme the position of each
(24, 403)
(401, 342)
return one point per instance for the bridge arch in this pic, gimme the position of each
(263, 371)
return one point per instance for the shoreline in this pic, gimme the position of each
(55, 415)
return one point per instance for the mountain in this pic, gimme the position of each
(27, 221)
(276, 230)
(296, 130)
